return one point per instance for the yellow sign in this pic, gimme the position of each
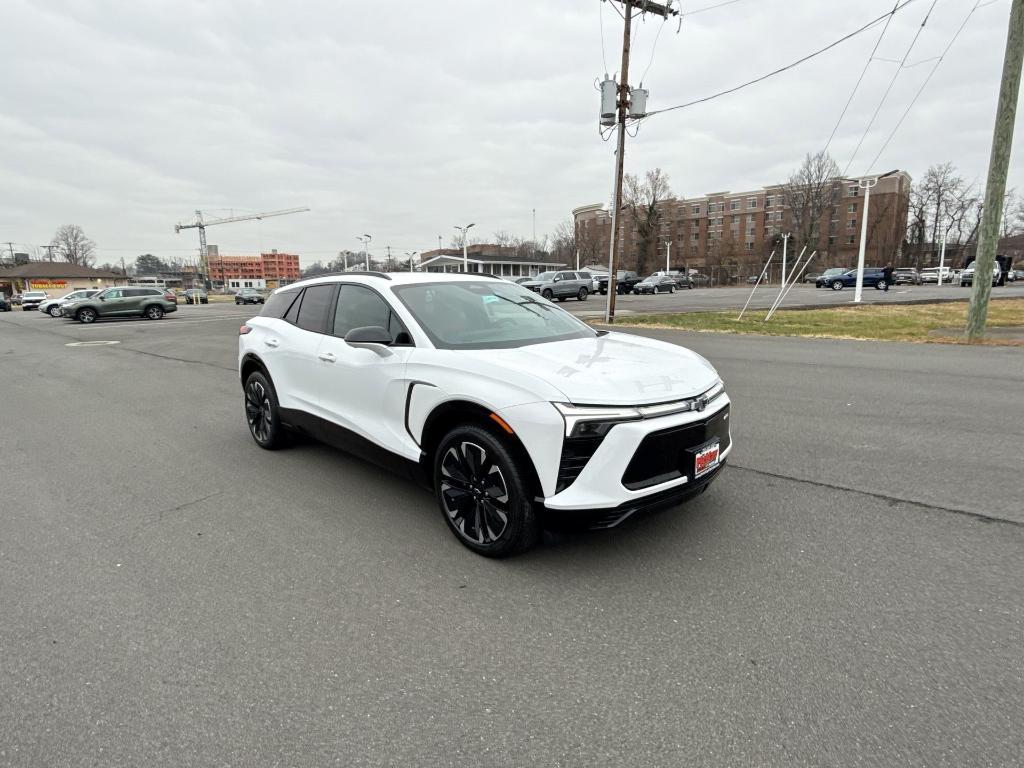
(42, 285)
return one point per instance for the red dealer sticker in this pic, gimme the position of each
(705, 460)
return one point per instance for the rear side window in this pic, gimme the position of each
(313, 311)
(279, 304)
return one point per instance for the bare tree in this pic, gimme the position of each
(809, 193)
(943, 206)
(642, 199)
(73, 246)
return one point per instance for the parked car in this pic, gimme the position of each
(967, 275)
(681, 279)
(461, 379)
(32, 299)
(561, 285)
(906, 276)
(655, 284)
(195, 296)
(52, 306)
(873, 277)
(249, 296)
(16, 299)
(1018, 274)
(753, 279)
(825, 279)
(811, 277)
(128, 301)
(624, 281)
(593, 276)
(699, 279)
(5, 303)
(931, 275)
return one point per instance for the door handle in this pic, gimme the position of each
(327, 357)
(271, 342)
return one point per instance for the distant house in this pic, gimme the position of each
(54, 277)
(487, 258)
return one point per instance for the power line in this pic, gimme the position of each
(920, 90)
(861, 78)
(796, 63)
(708, 8)
(892, 82)
(600, 18)
(654, 47)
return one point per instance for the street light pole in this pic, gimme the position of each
(365, 240)
(410, 254)
(465, 251)
(867, 184)
(668, 251)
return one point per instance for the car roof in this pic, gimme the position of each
(381, 279)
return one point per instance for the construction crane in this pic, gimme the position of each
(202, 225)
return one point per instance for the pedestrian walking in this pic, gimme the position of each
(887, 272)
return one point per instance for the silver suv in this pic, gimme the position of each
(561, 285)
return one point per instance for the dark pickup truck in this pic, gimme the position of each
(624, 282)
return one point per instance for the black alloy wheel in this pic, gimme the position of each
(547, 294)
(261, 412)
(483, 494)
(582, 295)
(153, 312)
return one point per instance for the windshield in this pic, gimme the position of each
(834, 271)
(487, 315)
(546, 276)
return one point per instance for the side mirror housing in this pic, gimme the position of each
(368, 334)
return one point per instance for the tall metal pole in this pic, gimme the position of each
(995, 187)
(942, 257)
(785, 242)
(867, 184)
(620, 151)
(535, 233)
(668, 251)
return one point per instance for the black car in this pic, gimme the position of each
(195, 296)
(625, 280)
(655, 284)
(5, 303)
(249, 296)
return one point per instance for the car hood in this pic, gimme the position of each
(616, 369)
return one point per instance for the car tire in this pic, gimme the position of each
(262, 412)
(671, 290)
(604, 292)
(86, 315)
(880, 285)
(837, 285)
(153, 312)
(547, 294)
(480, 485)
(54, 311)
(582, 295)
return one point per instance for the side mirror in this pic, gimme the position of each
(368, 334)
(102, 298)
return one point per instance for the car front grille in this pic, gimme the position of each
(668, 453)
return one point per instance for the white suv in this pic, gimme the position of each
(513, 411)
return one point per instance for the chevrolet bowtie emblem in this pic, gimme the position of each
(700, 403)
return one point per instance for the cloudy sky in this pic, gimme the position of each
(401, 118)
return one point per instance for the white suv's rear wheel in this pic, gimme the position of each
(483, 493)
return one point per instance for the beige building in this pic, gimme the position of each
(54, 277)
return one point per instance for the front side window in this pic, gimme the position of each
(359, 307)
(487, 315)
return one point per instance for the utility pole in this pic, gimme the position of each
(668, 251)
(785, 242)
(534, 233)
(866, 185)
(995, 187)
(625, 109)
(11, 246)
(49, 251)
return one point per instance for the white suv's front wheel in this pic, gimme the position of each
(483, 493)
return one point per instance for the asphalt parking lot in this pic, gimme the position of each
(848, 593)
(705, 299)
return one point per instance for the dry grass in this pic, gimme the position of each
(891, 322)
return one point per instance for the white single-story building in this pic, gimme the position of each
(489, 259)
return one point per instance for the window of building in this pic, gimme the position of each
(696, 209)
(853, 190)
(851, 208)
(769, 201)
(751, 202)
(852, 223)
(750, 231)
(734, 205)
(831, 240)
(851, 239)
(695, 237)
(750, 218)
(748, 246)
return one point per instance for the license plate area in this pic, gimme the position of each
(706, 457)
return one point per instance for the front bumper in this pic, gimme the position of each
(600, 488)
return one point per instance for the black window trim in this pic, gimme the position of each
(328, 314)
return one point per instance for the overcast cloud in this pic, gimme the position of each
(401, 118)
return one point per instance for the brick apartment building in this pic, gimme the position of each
(732, 233)
(268, 270)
